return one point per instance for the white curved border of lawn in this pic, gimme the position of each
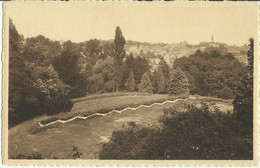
(113, 111)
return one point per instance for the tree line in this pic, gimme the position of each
(44, 74)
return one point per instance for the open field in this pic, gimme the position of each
(89, 134)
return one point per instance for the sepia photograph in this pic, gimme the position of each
(134, 83)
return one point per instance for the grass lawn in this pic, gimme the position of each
(56, 140)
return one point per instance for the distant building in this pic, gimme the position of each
(212, 43)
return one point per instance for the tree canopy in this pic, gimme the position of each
(243, 102)
(212, 74)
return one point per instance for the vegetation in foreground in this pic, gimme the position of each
(191, 132)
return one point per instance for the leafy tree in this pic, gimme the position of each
(141, 66)
(108, 50)
(212, 74)
(179, 83)
(23, 97)
(221, 49)
(92, 51)
(119, 43)
(53, 92)
(102, 78)
(40, 50)
(34, 88)
(138, 65)
(67, 66)
(131, 82)
(128, 67)
(243, 102)
(14, 38)
(146, 84)
(155, 79)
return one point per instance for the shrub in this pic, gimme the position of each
(132, 142)
(57, 103)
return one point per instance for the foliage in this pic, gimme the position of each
(146, 84)
(34, 85)
(91, 51)
(47, 80)
(66, 64)
(131, 82)
(40, 50)
(212, 74)
(54, 93)
(138, 65)
(161, 83)
(129, 65)
(204, 133)
(132, 142)
(179, 83)
(102, 78)
(188, 132)
(119, 43)
(141, 66)
(23, 97)
(243, 102)
(14, 38)
(221, 49)
(165, 69)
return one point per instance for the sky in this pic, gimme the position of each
(232, 23)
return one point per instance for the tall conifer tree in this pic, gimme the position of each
(146, 84)
(179, 83)
(119, 43)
